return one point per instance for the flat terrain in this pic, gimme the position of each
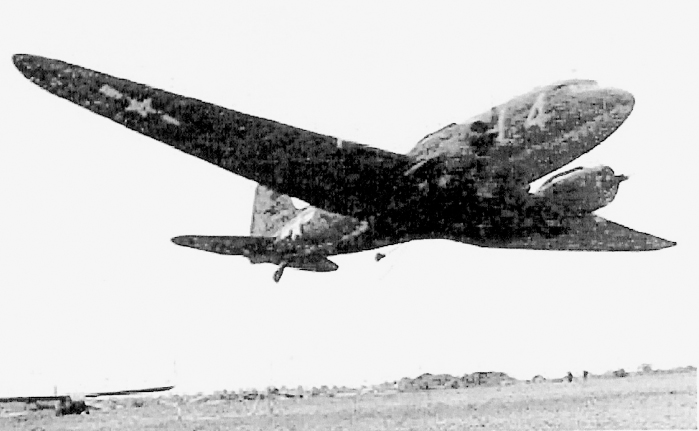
(650, 401)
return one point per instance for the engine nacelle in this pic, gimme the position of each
(582, 190)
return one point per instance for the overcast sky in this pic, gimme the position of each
(95, 296)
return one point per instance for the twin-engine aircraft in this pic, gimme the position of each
(467, 182)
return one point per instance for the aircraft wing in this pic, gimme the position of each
(588, 233)
(90, 395)
(129, 392)
(535, 133)
(327, 172)
(33, 399)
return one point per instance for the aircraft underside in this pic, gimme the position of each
(557, 217)
(467, 182)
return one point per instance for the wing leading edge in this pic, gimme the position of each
(327, 172)
(129, 392)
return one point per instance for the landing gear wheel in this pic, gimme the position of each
(279, 272)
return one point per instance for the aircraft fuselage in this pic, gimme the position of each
(467, 182)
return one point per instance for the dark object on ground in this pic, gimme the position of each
(620, 373)
(70, 407)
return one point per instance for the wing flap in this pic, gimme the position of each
(329, 173)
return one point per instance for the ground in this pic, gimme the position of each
(642, 401)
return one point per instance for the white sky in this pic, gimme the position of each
(95, 296)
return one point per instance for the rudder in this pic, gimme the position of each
(270, 210)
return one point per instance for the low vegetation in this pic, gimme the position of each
(641, 400)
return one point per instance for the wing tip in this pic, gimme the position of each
(663, 243)
(22, 61)
(30, 65)
(35, 66)
(17, 58)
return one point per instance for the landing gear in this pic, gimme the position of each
(379, 256)
(279, 272)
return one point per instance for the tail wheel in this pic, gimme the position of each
(280, 271)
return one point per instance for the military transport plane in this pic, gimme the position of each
(467, 182)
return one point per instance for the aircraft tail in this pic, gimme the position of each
(270, 211)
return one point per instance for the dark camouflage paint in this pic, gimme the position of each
(587, 233)
(582, 190)
(319, 169)
(467, 182)
(571, 118)
(295, 254)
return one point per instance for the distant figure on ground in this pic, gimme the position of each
(585, 373)
(569, 377)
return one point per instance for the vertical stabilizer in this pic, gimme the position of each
(270, 211)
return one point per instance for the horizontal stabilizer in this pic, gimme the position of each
(235, 245)
(589, 233)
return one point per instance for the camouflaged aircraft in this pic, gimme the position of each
(467, 182)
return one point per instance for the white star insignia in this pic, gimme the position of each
(143, 108)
